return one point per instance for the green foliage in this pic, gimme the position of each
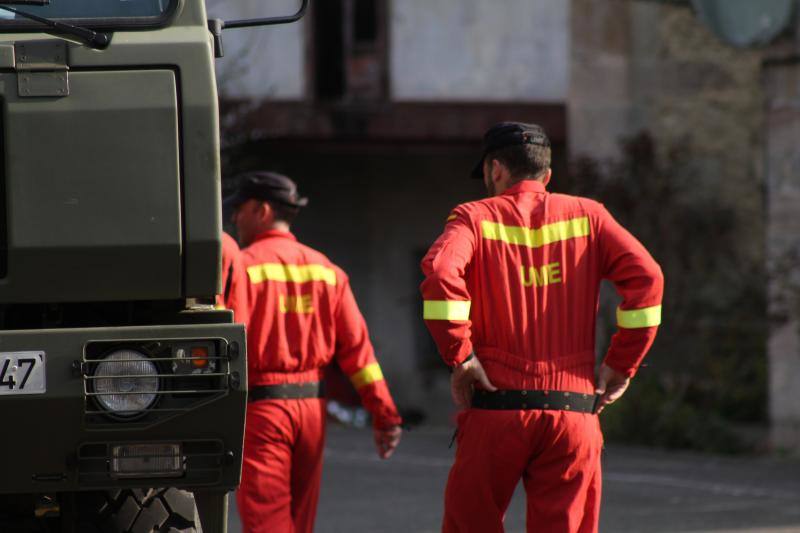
(706, 373)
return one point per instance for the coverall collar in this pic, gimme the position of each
(275, 233)
(526, 186)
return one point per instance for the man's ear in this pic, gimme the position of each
(497, 170)
(547, 175)
(264, 212)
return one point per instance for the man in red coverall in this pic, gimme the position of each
(302, 315)
(511, 297)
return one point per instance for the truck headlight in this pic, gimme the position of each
(126, 382)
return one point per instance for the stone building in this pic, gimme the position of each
(376, 107)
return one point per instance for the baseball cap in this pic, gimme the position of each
(267, 187)
(509, 134)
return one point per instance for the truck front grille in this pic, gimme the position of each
(201, 463)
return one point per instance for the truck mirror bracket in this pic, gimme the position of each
(215, 26)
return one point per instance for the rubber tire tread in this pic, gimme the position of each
(162, 510)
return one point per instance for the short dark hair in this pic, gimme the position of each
(283, 212)
(523, 161)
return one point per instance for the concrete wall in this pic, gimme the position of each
(782, 84)
(445, 50)
(265, 62)
(599, 102)
(654, 67)
(645, 65)
(514, 50)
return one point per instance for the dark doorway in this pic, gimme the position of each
(329, 80)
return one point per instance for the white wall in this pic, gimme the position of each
(264, 61)
(480, 50)
(462, 50)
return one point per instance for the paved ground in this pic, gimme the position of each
(645, 490)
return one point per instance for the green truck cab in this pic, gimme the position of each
(122, 389)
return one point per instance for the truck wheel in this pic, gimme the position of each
(138, 511)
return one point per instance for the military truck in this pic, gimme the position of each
(122, 389)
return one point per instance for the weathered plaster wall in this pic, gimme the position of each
(514, 50)
(647, 66)
(782, 85)
(599, 102)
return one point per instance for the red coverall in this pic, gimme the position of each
(234, 281)
(515, 278)
(303, 314)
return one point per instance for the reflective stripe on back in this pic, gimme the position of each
(536, 237)
(291, 273)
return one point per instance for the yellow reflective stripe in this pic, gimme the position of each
(291, 273)
(365, 376)
(452, 217)
(446, 309)
(536, 237)
(220, 307)
(639, 318)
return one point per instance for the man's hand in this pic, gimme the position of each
(463, 379)
(386, 440)
(611, 385)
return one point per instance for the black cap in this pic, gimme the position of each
(267, 187)
(509, 134)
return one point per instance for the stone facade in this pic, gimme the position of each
(738, 112)
(782, 86)
(653, 67)
(647, 66)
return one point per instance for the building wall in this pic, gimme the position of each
(647, 66)
(654, 67)
(620, 66)
(782, 83)
(599, 99)
(445, 50)
(265, 62)
(469, 50)
(693, 91)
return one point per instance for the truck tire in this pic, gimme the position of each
(162, 510)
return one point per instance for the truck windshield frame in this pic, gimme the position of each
(113, 15)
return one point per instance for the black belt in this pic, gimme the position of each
(287, 391)
(535, 399)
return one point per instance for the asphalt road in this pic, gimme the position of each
(644, 490)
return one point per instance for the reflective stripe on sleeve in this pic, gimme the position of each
(639, 318)
(369, 374)
(536, 237)
(446, 310)
(291, 273)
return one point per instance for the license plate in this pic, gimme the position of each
(22, 373)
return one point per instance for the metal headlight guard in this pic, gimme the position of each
(126, 383)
